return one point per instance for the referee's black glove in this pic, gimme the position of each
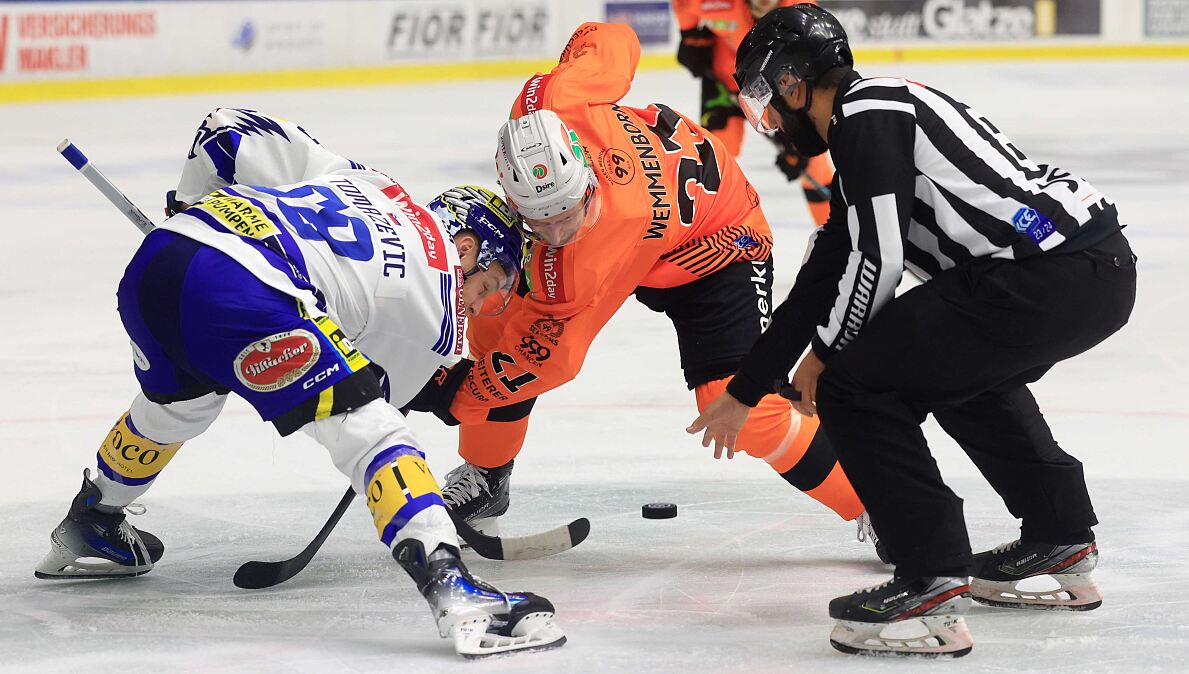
(438, 393)
(696, 51)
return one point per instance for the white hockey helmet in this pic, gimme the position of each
(546, 178)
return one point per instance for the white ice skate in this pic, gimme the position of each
(480, 619)
(91, 543)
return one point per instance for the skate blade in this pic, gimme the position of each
(1074, 592)
(937, 636)
(534, 632)
(62, 564)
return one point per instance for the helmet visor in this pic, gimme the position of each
(569, 226)
(755, 98)
(487, 291)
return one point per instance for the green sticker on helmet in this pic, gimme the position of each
(576, 147)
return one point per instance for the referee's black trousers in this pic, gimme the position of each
(963, 346)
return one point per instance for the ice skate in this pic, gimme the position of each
(865, 532)
(479, 495)
(1062, 574)
(91, 543)
(919, 617)
(482, 620)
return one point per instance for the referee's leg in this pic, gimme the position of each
(1006, 436)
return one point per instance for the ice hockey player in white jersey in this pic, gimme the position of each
(317, 290)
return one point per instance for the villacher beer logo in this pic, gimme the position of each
(540, 171)
(277, 361)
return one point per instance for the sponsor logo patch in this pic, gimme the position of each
(240, 216)
(617, 166)
(278, 360)
(540, 171)
(1029, 221)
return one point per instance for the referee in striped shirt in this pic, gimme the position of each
(1024, 265)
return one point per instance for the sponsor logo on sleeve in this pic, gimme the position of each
(1029, 221)
(549, 329)
(277, 360)
(431, 236)
(239, 215)
(549, 276)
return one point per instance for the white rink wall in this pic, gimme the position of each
(49, 49)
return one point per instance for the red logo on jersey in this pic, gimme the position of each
(423, 222)
(532, 97)
(550, 274)
(277, 361)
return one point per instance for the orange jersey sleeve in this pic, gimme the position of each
(596, 66)
(688, 13)
(674, 207)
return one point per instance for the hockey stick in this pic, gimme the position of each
(258, 575)
(533, 546)
(80, 162)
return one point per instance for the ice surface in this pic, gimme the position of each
(737, 582)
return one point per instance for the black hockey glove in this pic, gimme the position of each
(438, 393)
(790, 162)
(696, 51)
(719, 105)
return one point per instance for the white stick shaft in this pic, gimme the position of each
(79, 161)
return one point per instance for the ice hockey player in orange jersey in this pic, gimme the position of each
(710, 34)
(619, 201)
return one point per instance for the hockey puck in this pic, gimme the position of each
(659, 511)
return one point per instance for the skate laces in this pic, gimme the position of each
(465, 482)
(135, 509)
(876, 588)
(865, 532)
(1005, 547)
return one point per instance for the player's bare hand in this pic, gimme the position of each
(720, 423)
(805, 381)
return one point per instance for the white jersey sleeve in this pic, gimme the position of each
(235, 146)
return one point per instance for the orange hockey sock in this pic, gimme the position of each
(787, 442)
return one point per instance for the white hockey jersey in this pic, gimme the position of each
(357, 247)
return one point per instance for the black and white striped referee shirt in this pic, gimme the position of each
(923, 183)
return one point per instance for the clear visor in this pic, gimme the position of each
(487, 292)
(566, 228)
(756, 96)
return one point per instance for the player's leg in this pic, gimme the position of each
(95, 540)
(815, 183)
(479, 490)
(717, 318)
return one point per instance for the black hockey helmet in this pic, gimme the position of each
(803, 41)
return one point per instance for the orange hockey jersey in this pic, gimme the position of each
(675, 208)
(729, 20)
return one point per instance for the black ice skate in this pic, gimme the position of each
(479, 495)
(480, 619)
(998, 574)
(91, 543)
(905, 616)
